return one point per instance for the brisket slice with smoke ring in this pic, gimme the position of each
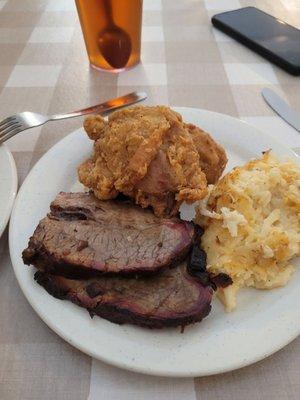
(84, 237)
(169, 299)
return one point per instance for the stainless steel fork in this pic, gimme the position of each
(15, 124)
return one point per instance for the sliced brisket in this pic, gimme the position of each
(84, 237)
(171, 298)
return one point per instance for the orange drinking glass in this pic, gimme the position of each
(112, 32)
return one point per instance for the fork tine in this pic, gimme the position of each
(7, 120)
(9, 128)
(9, 135)
(8, 125)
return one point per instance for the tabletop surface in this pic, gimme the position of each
(185, 62)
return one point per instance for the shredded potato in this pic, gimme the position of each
(252, 225)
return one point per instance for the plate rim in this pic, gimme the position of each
(121, 363)
(14, 188)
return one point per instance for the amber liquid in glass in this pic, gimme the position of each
(103, 19)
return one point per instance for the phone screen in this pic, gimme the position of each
(270, 33)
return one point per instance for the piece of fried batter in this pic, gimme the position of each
(152, 156)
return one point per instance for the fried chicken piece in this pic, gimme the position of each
(213, 158)
(150, 155)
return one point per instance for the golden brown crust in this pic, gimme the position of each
(126, 158)
(185, 164)
(94, 126)
(213, 158)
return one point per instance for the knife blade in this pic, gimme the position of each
(290, 115)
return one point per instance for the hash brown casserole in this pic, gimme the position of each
(252, 225)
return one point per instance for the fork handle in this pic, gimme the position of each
(109, 105)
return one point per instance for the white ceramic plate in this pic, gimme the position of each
(8, 185)
(264, 322)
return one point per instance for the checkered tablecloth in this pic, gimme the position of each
(44, 68)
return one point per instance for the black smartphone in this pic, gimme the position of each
(270, 37)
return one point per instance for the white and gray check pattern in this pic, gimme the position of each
(185, 62)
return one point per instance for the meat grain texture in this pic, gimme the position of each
(172, 298)
(152, 156)
(83, 236)
(118, 261)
